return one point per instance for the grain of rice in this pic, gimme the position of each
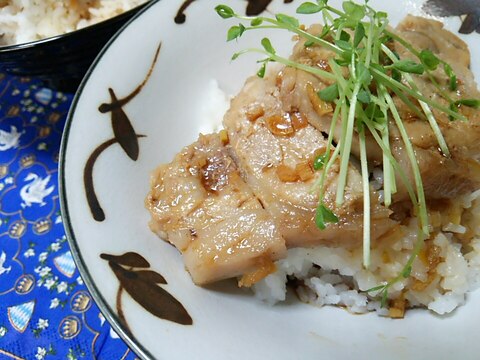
(23, 21)
(335, 276)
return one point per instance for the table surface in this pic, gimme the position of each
(46, 312)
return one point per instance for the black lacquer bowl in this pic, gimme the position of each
(62, 61)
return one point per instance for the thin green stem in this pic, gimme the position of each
(439, 88)
(360, 95)
(312, 70)
(366, 198)
(426, 109)
(320, 184)
(335, 11)
(396, 166)
(388, 180)
(409, 103)
(327, 17)
(389, 183)
(347, 145)
(306, 35)
(369, 48)
(423, 216)
(408, 265)
(415, 52)
(341, 81)
(391, 83)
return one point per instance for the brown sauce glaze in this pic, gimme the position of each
(214, 175)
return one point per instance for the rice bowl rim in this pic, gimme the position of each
(78, 32)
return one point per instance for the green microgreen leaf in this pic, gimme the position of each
(363, 74)
(473, 103)
(453, 107)
(396, 75)
(364, 97)
(309, 8)
(287, 20)
(385, 39)
(323, 216)
(380, 15)
(344, 61)
(378, 68)
(338, 23)
(359, 35)
(384, 300)
(453, 83)
(329, 94)
(261, 71)
(236, 55)
(224, 11)
(325, 31)
(375, 288)
(344, 36)
(362, 107)
(308, 43)
(372, 111)
(344, 45)
(429, 60)
(354, 12)
(409, 66)
(235, 32)
(256, 22)
(267, 45)
(407, 271)
(451, 75)
(319, 161)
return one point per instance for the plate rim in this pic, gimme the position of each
(100, 301)
(108, 312)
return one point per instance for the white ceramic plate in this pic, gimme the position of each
(227, 323)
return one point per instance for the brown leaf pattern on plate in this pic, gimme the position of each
(131, 259)
(92, 199)
(469, 8)
(124, 135)
(151, 276)
(254, 7)
(123, 129)
(142, 286)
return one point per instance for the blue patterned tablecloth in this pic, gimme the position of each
(46, 311)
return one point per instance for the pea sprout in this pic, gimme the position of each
(359, 39)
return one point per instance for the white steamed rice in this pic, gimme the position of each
(335, 276)
(28, 20)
